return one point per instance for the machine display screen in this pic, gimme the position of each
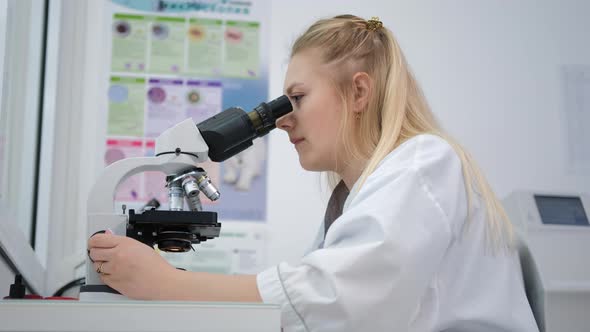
(561, 210)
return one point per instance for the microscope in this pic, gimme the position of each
(179, 151)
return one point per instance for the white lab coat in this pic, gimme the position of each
(397, 259)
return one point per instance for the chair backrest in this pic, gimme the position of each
(532, 282)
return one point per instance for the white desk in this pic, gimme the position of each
(127, 316)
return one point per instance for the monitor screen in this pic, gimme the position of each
(561, 210)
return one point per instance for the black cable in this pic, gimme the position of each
(71, 284)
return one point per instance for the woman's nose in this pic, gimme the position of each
(285, 122)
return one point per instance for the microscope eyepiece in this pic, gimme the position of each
(280, 106)
(265, 115)
(232, 131)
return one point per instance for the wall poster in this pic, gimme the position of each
(173, 60)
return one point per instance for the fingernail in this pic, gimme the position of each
(110, 231)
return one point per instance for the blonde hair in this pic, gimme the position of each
(397, 109)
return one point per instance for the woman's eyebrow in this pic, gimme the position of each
(291, 87)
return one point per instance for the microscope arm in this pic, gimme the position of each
(179, 148)
(100, 199)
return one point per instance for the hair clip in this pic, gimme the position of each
(374, 24)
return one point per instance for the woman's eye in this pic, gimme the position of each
(297, 98)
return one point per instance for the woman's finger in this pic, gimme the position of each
(103, 241)
(101, 254)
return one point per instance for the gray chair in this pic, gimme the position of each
(533, 285)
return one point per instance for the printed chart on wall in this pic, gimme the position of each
(576, 116)
(173, 60)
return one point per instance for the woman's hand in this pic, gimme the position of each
(131, 267)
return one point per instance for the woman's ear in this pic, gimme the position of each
(362, 89)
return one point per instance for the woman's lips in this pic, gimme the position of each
(295, 141)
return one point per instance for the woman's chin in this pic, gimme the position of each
(310, 165)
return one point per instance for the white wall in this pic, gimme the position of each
(489, 69)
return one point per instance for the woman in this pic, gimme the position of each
(414, 238)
